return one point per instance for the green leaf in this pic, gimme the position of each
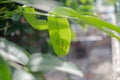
(4, 70)
(96, 22)
(30, 16)
(74, 4)
(113, 34)
(60, 34)
(68, 2)
(12, 52)
(83, 1)
(103, 26)
(43, 63)
(64, 11)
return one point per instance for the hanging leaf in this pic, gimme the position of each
(13, 53)
(43, 63)
(30, 16)
(96, 22)
(4, 70)
(60, 34)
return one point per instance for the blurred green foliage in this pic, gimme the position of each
(14, 26)
(109, 2)
(81, 6)
(26, 66)
(18, 25)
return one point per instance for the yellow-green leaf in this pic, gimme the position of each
(60, 34)
(30, 16)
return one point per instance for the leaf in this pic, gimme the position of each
(68, 2)
(4, 70)
(12, 52)
(67, 12)
(96, 22)
(30, 16)
(83, 1)
(113, 34)
(43, 63)
(103, 26)
(74, 4)
(60, 34)
(22, 75)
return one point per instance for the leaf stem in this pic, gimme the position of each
(46, 14)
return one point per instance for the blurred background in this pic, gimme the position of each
(91, 50)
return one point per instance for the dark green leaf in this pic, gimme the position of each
(4, 70)
(30, 16)
(44, 63)
(60, 34)
(12, 52)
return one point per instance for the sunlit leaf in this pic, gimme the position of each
(60, 34)
(83, 1)
(68, 2)
(4, 70)
(44, 63)
(12, 52)
(30, 16)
